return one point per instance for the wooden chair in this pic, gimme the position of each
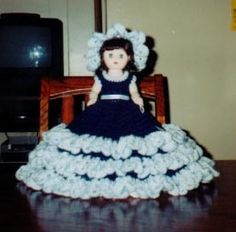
(153, 88)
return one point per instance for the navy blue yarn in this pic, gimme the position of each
(114, 118)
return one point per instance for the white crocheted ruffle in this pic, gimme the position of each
(60, 172)
(167, 140)
(49, 181)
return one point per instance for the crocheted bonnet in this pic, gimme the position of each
(137, 38)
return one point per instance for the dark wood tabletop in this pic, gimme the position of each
(211, 207)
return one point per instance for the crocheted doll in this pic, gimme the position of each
(114, 149)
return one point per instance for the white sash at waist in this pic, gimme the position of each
(114, 97)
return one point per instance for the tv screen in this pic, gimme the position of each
(30, 46)
(25, 47)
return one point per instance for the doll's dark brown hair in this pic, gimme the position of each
(116, 43)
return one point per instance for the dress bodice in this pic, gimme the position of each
(115, 87)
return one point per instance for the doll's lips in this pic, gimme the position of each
(115, 62)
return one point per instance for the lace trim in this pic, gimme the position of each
(115, 79)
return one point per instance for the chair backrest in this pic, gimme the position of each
(154, 88)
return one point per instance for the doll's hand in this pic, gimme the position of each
(91, 101)
(135, 94)
(139, 101)
(93, 96)
(142, 109)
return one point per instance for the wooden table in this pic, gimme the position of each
(210, 208)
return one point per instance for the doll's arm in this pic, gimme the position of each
(93, 96)
(135, 96)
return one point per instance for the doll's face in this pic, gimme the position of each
(115, 59)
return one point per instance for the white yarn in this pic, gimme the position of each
(137, 38)
(60, 172)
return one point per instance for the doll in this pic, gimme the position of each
(115, 149)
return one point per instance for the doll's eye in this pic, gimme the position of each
(121, 56)
(110, 55)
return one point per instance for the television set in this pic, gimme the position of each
(31, 47)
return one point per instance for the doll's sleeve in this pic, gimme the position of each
(135, 96)
(93, 96)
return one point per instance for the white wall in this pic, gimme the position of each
(197, 52)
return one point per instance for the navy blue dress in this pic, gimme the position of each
(114, 118)
(113, 150)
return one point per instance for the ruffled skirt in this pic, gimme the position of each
(117, 161)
